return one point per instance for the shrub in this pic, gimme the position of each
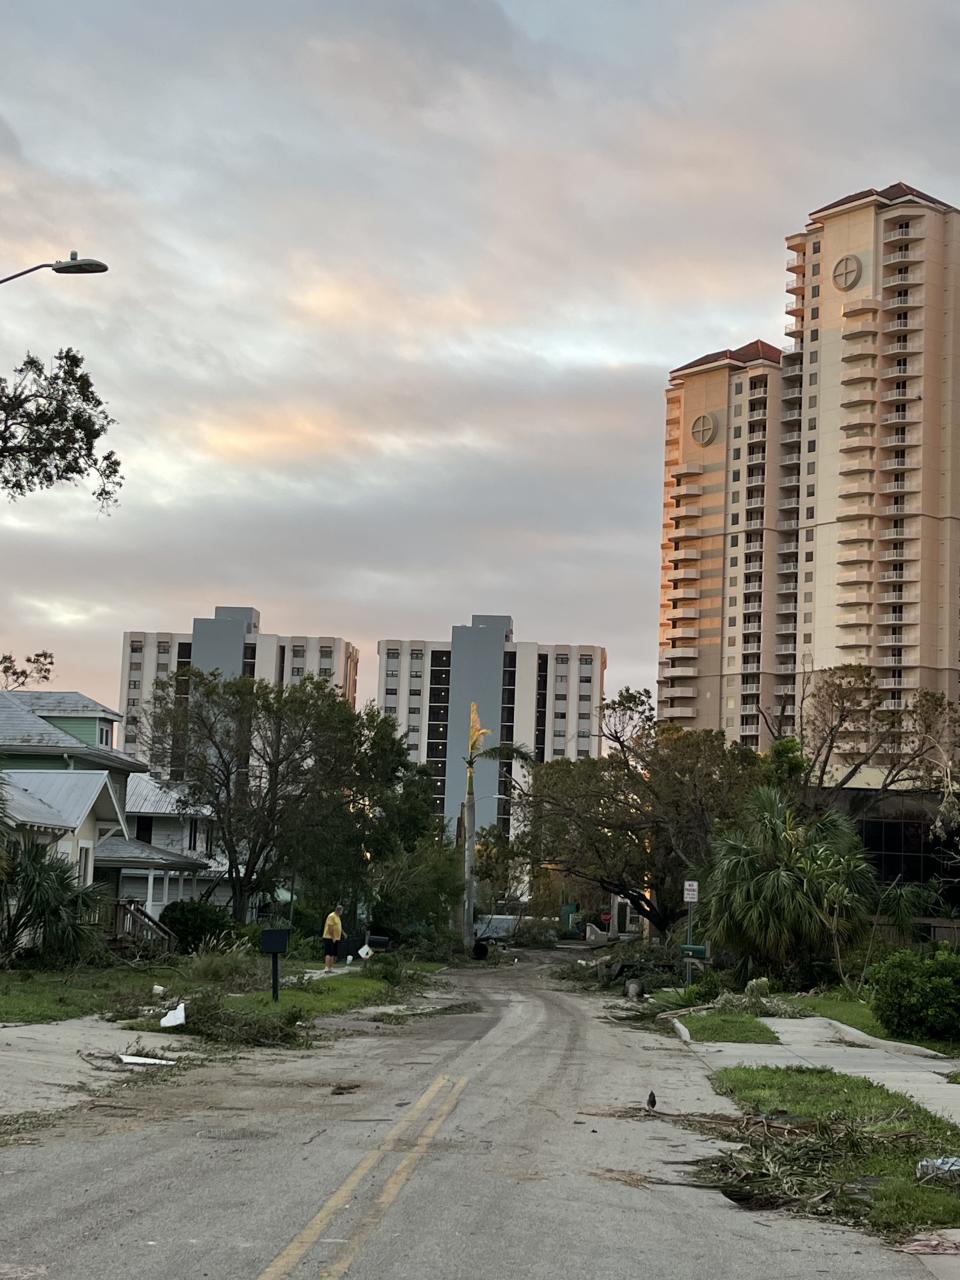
(210, 1016)
(389, 967)
(918, 996)
(192, 922)
(535, 933)
(235, 966)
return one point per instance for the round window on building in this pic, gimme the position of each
(847, 272)
(704, 429)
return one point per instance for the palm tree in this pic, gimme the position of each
(41, 905)
(784, 890)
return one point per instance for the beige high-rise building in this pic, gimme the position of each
(812, 496)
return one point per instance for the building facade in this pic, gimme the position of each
(232, 643)
(546, 698)
(812, 495)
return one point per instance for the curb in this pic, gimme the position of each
(861, 1037)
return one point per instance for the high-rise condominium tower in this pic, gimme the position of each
(546, 698)
(230, 642)
(811, 511)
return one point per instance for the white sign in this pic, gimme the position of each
(691, 890)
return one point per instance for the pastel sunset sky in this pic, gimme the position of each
(395, 284)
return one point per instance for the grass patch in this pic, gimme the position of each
(822, 1143)
(842, 1007)
(29, 995)
(731, 1028)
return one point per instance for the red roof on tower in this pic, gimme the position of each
(749, 353)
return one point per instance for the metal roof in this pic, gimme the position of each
(114, 851)
(44, 702)
(23, 732)
(71, 793)
(146, 795)
(25, 810)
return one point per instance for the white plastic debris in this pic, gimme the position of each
(158, 990)
(365, 952)
(349, 959)
(133, 1060)
(176, 1017)
(942, 1169)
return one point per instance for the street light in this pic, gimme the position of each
(72, 266)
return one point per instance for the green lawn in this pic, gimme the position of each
(37, 996)
(842, 1007)
(854, 1169)
(734, 1028)
(28, 995)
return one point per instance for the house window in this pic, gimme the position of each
(162, 668)
(106, 735)
(393, 653)
(296, 671)
(134, 684)
(163, 646)
(562, 659)
(193, 832)
(136, 666)
(298, 650)
(327, 652)
(145, 827)
(136, 646)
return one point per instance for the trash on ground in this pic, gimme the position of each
(929, 1244)
(158, 990)
(942, 1169)
(365, 952)
(176, 1017)
(134, 1060)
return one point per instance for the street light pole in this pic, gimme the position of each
(72, 266)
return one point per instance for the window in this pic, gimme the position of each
(559, 697)
(811, 468)
(326, 651)
(811, 424)
(136, 666)
(736, 453)
(416, 655)
(390, 690)
(136, 646)
(392, 671)
(814, 378)
(807, 637)
(737, 433)
(815, 269)
(808, 617)
(560, 715)
(391, 653)
(808, 535)
(814, 337)
(586, 679)
(735, 518)
(811, 446)
(738, 388)
(814, 315)
(815, 247)
(106, 735)
(808, 559)
(162, 667)
(415, 693)
(584, 715)
(296, 671)
(735, 495)
(298, 651)
(808, 595)
(738, 410)
(583, 733)
(163, 646)
(193, 832)
(134, 684)
(562, 659)
(734, 541)
(735, 476)
(585, 697)
(810, 490)
(732, 602)
(731, 622)
(815, 291)
(586, 660)
(733, 564)
(809, 515)
(132, 702)
(145, 827)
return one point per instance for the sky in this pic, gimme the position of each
(395, 286)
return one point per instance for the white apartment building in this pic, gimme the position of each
(812, 495)
(546, 698)
(230, 642)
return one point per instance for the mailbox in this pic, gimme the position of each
(274, 942)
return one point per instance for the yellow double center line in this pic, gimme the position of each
(285, 1262)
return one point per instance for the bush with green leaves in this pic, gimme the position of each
(194, 921)
(214, 1018)
(233, 967)
(43, 910)
(535, 933)
(918, 996)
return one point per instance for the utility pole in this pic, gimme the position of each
(475, 739)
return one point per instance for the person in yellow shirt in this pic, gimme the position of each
(332, 933)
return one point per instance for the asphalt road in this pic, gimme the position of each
(471, 1149)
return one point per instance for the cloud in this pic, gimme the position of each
(395, 286)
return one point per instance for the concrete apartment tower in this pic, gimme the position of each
(546, 698)
(232, 643)
(812, 497)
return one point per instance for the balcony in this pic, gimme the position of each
(793, 285)
(676, 713)
(682, 534)
(677, 673)
(910, 324)
(792, 413)
(751, 646)
(903, 235)
(897, 597)
(895, 620)
(901, 486)
(891, 704)
(900, 555)
(797, 263)
(854, 576)
(684, 556)
(904, 368)
(898, 535)
(684, 593)
(911, 415)
(853, 399)
(679, 691)
(687, 468)
(866, 329)
(902, 257)
(786, 648)
(852, 353)
(854, 599)
(684, 614)
(899, 509)
(684, 633)
(788, 566)
(686, 510)
(899, 440)
(684, 575)
(854, 533)
(861, 621)
(902, 393)
(914, 299)
(757, 415)
(855, 557)
(788, 589)
(785, 525)
(897, 575)
(856, 466)
(856, 511)
(860, 307)
(903, 347)
(897, 281)
(896, 682)
(857, 488)
(754, 503)
(794, 306)
(792, 393)
(686, 491)
(899, 464)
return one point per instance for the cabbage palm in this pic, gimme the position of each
(784, 889)
(42, 906)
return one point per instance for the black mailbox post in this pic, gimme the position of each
(274, 943)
